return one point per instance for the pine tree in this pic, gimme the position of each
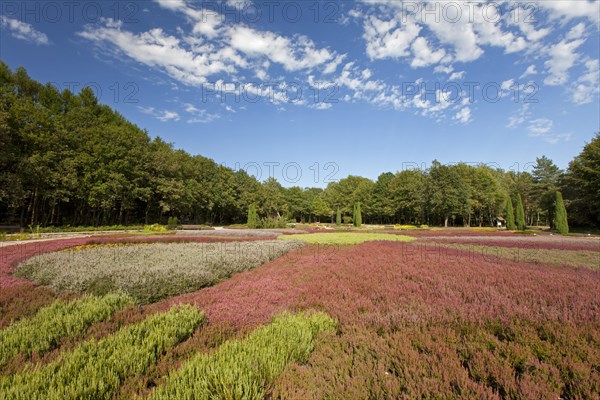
(338, 217)
(510, 215)
(252, 217)
(357, 215)
(560, 215)
(520, 214)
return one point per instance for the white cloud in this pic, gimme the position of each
(463, 116)
(424, 56)
(293, 56)
(562, 58)
(576, 32)
(563, 9)
(540, 126)
(587, 86)
(161, 115)
(443, 69)
(531, 70)
(386, 39)
(458, 75)
(200, 115)
(23, 31)
(519, 117)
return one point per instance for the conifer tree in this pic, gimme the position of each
(560, 215)
(510, 215)
(357, 215)
(520, 214)
(252, 217)
(338, 217)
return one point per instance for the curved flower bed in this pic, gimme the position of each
(13, 255)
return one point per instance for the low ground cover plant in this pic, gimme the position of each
(96, 369)
(43, 331)
(341, 238)
(149, 273)
(245, 369)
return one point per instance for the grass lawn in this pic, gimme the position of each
(345, 237)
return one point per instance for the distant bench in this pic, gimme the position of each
(10, 228)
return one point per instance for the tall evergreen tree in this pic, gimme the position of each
(510, 215)
(520, 214)
(252, 217)
(338, 217)
(560, 215)
(357, 217)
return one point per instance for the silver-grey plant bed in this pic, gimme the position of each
(239, 232)
(150, 272)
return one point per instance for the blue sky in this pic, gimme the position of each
(329, 88)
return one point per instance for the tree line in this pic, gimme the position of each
(66, 159)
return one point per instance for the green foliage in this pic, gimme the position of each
(252, 220)
(172, 223)
(149, 272)
(520, 214)
(510, 215)
(66, 159)
(357, 216)
(155, 228)
(272, 223)
(96, 369)
(245, 369)
(561, 224)
(43, 331)
(342, 238)
(338, 217)
(582, 183)
(348, 219)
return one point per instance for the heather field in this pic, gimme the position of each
(336, 315)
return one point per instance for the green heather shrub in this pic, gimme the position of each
(155, 228)
(244, 369)
(149, 272)
(271, 223)
(172, 223)
(43, 331)
(96, 369)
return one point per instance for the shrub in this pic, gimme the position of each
(96, 369)
(271, 223)
(149, 272)
(155, 228)
(43, 331)
(172, 223)
(244, 369)
(338, 217)
(348, 220)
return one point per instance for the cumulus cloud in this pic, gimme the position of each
(562, 58)
(23, 31)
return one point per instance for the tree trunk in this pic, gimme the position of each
(446, 221)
